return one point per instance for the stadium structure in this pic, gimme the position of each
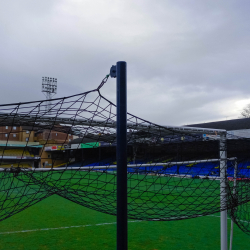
(31, 147)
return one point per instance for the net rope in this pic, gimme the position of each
(70, 151)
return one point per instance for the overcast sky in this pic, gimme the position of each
(188, 61)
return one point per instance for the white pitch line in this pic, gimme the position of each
(101, 224)
(56, 228)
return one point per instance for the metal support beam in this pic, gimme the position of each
(27, 119)
(109, 167)
(234, 192)
(121, 155)
(134, 153)
(223, 191)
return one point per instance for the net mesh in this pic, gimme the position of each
(70, 150)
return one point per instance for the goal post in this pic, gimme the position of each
(223, 190)
(234, 192)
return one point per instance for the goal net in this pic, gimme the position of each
(69, 150)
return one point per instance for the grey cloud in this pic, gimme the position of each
(187, 61)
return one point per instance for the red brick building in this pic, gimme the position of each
(60, 135)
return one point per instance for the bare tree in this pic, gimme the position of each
(246, 112)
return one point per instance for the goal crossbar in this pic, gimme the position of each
(115, 166)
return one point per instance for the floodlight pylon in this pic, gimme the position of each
(49, 88)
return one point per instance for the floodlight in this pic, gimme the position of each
(49, 88)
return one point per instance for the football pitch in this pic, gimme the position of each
(57, 223)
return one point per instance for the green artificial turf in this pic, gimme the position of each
(55, 212)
